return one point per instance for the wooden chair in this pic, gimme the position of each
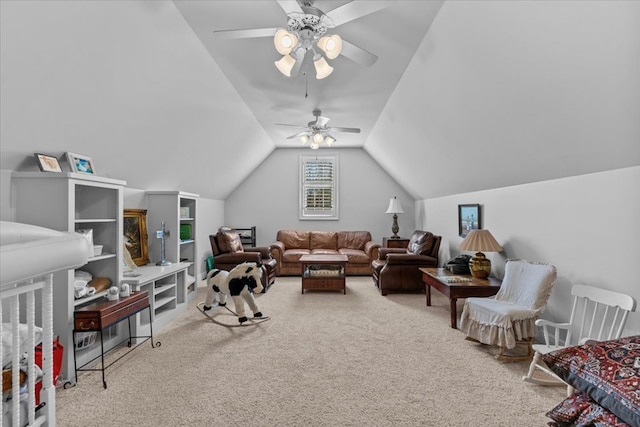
(597, 314)
(509, 318)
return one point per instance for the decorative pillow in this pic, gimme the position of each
(578, 409)
(607, 371)
(229, 242)
(420, 244)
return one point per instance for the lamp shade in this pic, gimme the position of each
(480, 241)
(285, 65)
(323, 69)
(284, 41)
(331, 45)
(394, 206)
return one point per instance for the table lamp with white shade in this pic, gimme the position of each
(479, 241)
(394, 208)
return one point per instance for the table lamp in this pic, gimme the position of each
(478, 241)
(394, 208)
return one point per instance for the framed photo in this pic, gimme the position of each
(135, 235)
(47, 163)
(468, 219)
(80, 163)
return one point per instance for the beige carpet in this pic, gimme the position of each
(324, 359)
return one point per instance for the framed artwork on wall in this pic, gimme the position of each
(468, 219)
(47, 163)
(80, 163)
(135, 235)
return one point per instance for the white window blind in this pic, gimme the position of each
(319, 187)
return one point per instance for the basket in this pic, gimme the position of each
(85, 339)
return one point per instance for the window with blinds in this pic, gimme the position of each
(319, 187)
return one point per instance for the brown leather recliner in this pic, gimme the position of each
(228, 252)
(396, 269)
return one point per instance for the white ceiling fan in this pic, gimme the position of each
(307, 29)
(318, 132)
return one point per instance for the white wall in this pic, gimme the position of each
(268, 198)
(584, 225)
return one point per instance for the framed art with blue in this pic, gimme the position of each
(469, 218)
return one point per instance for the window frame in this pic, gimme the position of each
(310, 214)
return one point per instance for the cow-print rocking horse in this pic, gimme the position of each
(240, 283)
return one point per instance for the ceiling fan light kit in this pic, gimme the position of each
(307, 29)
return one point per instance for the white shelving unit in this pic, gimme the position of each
(167, 287)
(70, 202)
(178, 210)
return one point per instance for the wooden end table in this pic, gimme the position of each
(401, 242)
(323, 272)
(436, 278)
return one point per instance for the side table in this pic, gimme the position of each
(98, 316)
(388, 242)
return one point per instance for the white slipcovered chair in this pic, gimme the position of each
(596, 314)
(509, 317)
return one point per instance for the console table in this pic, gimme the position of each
(323, 272)
(445, 281)
(98, 316)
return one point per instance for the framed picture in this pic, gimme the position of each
(47, 163)
(468, 219)
(80, 163)
(135, 235)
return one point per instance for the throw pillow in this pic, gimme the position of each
(229, 242)
(420, 244)
(607, 371)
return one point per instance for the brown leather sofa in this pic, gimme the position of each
(396, 269)
(228, 252)
(290, 245)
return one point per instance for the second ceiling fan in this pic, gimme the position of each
(307, 29)
(317, 131)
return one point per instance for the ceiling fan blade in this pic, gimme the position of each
(290, 6)
(322, 121)
(357, 54)
(297, 135)
(293, 126)
(245, 34)
(352, 130)
(355, 10)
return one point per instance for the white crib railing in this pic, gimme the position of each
(23, 406)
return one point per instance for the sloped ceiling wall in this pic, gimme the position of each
(128, 84)
(503, 93)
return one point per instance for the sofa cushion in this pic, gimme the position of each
(294, 239)
(293, 255)
(356, 256)
(421, 243)
(323, 240)
(229, 242)
(353, 239)
(322, 251)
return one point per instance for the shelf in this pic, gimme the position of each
(89, 221)
(163, 288)
(184, 242)
(160, 302)
(81, 301)
(99, 257)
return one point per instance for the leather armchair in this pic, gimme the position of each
(396, 269)
(228, 252)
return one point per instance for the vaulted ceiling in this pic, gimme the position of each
(465, 95)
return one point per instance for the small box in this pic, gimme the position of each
(185, 212)
(97, 250)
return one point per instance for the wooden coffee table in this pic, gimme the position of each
(436, 278)
(323, 272)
